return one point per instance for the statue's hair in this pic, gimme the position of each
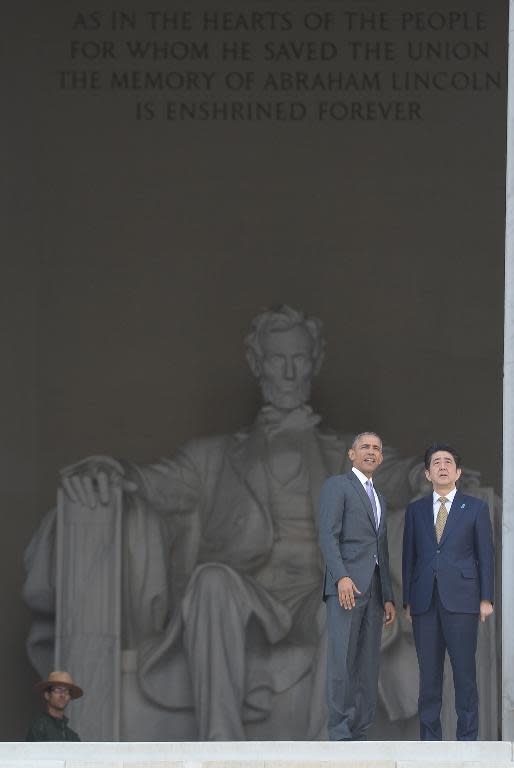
(283, 318)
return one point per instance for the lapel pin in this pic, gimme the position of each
(462, 506)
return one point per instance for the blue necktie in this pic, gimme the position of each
(369, 490)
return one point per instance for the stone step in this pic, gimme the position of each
(255, 754)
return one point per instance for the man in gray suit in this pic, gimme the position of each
(357, 589)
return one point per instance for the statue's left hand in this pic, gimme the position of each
(89, 481)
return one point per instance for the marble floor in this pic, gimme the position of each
(266, 754)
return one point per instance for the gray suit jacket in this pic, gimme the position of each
(350, 543)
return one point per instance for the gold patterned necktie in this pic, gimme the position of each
(442, 517)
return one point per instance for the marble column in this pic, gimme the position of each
(508, 423)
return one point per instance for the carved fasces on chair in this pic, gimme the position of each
(93, 480)
(88, 604)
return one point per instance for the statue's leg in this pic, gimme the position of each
(216, 610)
(317, 722)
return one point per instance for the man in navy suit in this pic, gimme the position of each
(448, 584)
(357, 589)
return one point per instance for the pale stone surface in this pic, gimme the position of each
(34, 763)
(72, 763)
(453, 764)
(342, 763)
(233, 764)
(319, 752)
(221, 594)
(508, 420)
(162, 764)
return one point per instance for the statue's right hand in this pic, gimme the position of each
(90, 480)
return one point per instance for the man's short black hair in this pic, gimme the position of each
(435, 447)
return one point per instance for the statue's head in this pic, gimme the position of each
(285, 350)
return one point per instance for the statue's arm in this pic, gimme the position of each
(167, 485)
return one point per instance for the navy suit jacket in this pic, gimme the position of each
(463, 561)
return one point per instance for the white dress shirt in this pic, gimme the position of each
(362, 477)
(436, 496)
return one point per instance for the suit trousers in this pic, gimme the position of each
(436, 631)
(353, 661)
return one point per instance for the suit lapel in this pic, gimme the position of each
(246, 461)
(364, 498)
(456, 509)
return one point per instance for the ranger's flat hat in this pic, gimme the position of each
(59, 678)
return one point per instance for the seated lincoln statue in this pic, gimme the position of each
(213, 565)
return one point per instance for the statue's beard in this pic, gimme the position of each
(287, 400)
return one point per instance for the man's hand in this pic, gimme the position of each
(389, 613)
(347, 590)
(486, 608)
(407, 613)
(89, 481)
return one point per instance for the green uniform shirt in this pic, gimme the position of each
(48, 728)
